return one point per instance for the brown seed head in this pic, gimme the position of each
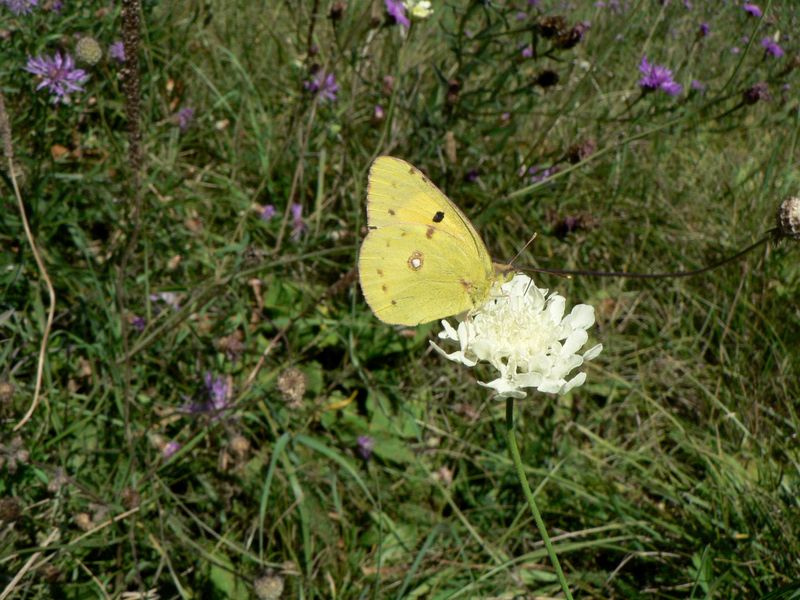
(292, 384)
(551, 26)
(789, 218)
(268, 587)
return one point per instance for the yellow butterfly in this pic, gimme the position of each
(422, 259)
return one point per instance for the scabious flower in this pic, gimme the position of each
(538, 174)
(58, 74)
(397, 11)
(419, 9)
(324, 85)
(771, 47)
(298, 225)
(117, 51)
(657, 77)
(20, 7)
(752, 9)
(364, 445)
(217, 389)
(523, 333)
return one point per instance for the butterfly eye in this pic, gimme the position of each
(438, 217)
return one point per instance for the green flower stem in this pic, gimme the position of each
(515, 456)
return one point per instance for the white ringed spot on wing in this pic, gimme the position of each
(416, 260)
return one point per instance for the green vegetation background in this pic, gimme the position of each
(672, 473)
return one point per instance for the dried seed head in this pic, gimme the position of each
(292, 384)
(337, 10)
(546, 78)
(87, 50)
(581, 151)
(6, 391)
(789, 218)
(269, 586)
(551, 26)
(759, 91)
(240, 446)
(131, 498)
(83, 521)
(10, 509)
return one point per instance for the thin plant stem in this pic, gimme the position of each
(515, 456)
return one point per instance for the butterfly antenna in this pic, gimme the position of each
(528, 243)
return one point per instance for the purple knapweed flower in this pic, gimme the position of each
(771, 47)
(324, 85)
(56, 6)
(117, 51)
(184, 117)
(58, 74)
(298, 225)
(704, 29)
(170, 448)
(378, 114)
(752, 9)
(471, 176)
(139, 323)
(527, 51)
(20, 7)
(698, 85)
(364, 446)
(657, 77)
(735, 50)
(520, 15)
(268, 212)
(217, 389)
(397, 11)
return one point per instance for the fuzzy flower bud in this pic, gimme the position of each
(88, 51)
(789, 218)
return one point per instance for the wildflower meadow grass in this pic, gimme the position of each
(197, 402)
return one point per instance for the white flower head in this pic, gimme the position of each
(524, 334)
(419, 9)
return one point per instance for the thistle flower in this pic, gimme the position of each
(522, 332)
(324, 85)
(752, 9)
(771, 47)
(20, 7)
(58, 74)
(117, 51)
(657, 77)
(397, 11)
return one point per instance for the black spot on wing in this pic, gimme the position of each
(438, 217)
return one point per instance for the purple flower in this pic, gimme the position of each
(471, 176)
(364, 446)
(139, 323)
(687, 4)
(698, 85)
(324, 84)
(657, 77)
(704, 29)
(56, 6)
(397, 11)
(298, 225)
(771, 48)
(268, 212)
(20, 7)
(58, 74)
(117, 51)
(521, 16)
(735, 50)
(527, 51)
(538, 174)
(170, 449)
(752, 9)
(217, 389)
(378, 114)
(184, 117)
